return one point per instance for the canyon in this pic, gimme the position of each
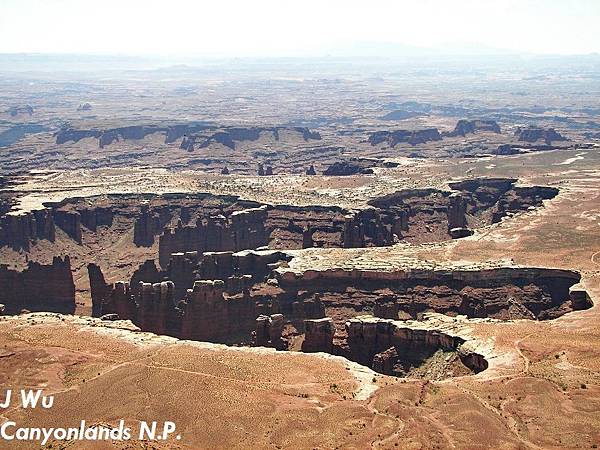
(219, 272)
(333, 254)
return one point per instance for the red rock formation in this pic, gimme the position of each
(318, 335)
(269, 330)
(242, 230)
(20, 230)
(503, 293)
(156, 308)
(39, 287)
(98, 288)
(221, 310)
(457, 209)
(209, 315)
(383, 344)
(307, 237)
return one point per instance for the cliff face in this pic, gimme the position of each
(318, 335)
(206, 313)
(291, 227)
(521, 199)
(493, 198)
(203, 222)
(420, 215)
(70, 223)
(504, 293)
(241, 230)
(396, 348)
(269, 330)
(92, 218)
(98, 288)
(201, 296)
(19, 231)
(39, 287)
(209, 315)
(148, 224)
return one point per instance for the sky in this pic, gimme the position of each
(300, 28)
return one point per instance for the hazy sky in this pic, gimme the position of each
(281, 27)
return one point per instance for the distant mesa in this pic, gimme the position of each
(506, 150)
(400, 114)
(347, 168)
(592, 135)
(311, 170)
(193, 135)
(18, 131)
(410, 107)
(533, 134)
(105, 137)
(415, 137)
(464, 127)
(229, 136)
(84, 107)
(20, 109)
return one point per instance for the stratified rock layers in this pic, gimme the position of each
(502, 293)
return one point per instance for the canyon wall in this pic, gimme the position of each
(241, 230)
(394, 347)
(200, 296)
(39, 287)
(503, 293)
(19, 231)
(204, 222)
